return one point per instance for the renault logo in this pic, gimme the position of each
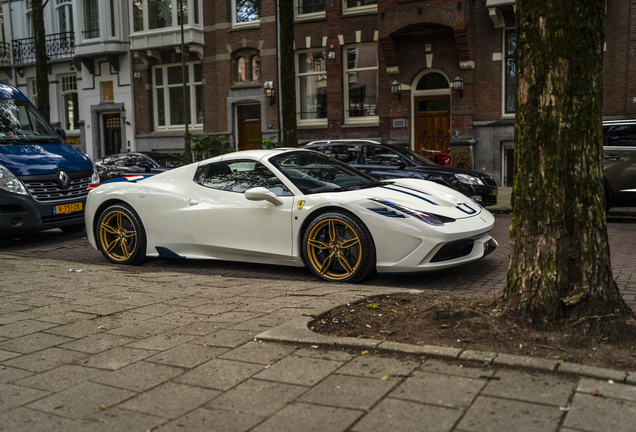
(64, 179)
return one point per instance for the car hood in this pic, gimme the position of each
(24, 160)
(424, 196)
(448, 170)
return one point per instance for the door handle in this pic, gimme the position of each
(192, 202)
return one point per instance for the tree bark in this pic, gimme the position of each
(288, 76)
(41, 59)
(560, 261)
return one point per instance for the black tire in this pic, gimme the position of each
(339, 248)
(73, 228)
(121, 236)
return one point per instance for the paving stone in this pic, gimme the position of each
(491, 414)
(117, 358)
(81, 401)
(219, 374)
(201, 327)
(486, 357)
(548, 389)
(104, 308)
(78, 329)
(97, 343)
(256, 397)
(160, 309)
(183, 398)
(299, 370)
(115, 419)
(600, 414)
(12, 396)
(47, 359)
(9, 374)
(423, 350)
(348, 392)
(29, 420)
(226, 338)
(22, 328)
(313, 418)
(341, 356)
(60, 378)
(212, 309)
(469, 369)
(259, 352)
(33, 342)
(206, 420)
(188, 355)
(270, 320)
(592, 371)
(178, 319)
(614, 390)
(161, 342)
(404, 416)
(66, 317)
(141, 329)
(378, 367)
(443, 390)
(139, 376)
(531, 362)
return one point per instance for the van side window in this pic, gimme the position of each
(621, 136)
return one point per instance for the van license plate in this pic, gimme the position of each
(67, 208)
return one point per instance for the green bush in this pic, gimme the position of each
(268, 142)
(461, 159)
(210, 145)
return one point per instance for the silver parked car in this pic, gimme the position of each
(619, 162)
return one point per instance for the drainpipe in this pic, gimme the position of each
(280, 93)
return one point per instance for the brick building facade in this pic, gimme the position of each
(425, 47)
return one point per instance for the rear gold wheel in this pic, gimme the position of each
(338, 248)
(121, 235)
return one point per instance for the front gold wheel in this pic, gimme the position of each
(339, 249)
(121, 236)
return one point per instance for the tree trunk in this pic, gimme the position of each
(560, 260)
(41, 59)
(288, 77)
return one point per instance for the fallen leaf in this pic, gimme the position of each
(386, 377)
(101, 407)
(100, 327)
(58, 407)
(365, 352)
(596, 393)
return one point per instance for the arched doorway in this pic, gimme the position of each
(431, 113)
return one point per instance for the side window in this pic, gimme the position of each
(345, 153)
(239, 176)
(381, 156)
(621, 136)
(132, 160)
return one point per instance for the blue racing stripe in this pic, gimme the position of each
(408, 193)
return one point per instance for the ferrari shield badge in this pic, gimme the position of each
(300, 204)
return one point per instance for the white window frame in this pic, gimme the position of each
(365, 120)
(70, 82)
(82, 14)
(166, 97)
(191, 5)
(307, 16)
(504, 114)
(358, 9)
(33, 91)
(308, 122)
(253, 23)
(64, 4)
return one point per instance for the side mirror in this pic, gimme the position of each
(262, 194)
(61, 132)
(397, 162)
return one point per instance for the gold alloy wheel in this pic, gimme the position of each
(118, 236)
(334, 249)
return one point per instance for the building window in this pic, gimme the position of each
(361, 84)
(160, 14)
(510, 78)
(91, 19)
(70, 102)
(307, 9)
(311, 87)
(359, 6)
(246, 12)
(247, 68)
(34, 92)
(29, 19)
(64, 11)
(168, 93)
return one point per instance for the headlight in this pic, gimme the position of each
(428, 218)
(95, 177)
(468, 179)
(11, 183)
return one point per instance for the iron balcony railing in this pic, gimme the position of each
(59, 46)
(5, 54)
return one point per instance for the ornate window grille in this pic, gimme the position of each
(59, 46)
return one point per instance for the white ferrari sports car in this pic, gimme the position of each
(289, 207)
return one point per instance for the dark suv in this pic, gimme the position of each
(386, 161)
(619, 162)
(140, 163)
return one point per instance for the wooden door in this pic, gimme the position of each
(432, 125)
(112, 134)
(249, 126)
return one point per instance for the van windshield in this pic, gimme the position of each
(21, 123)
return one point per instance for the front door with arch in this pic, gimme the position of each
(431, 114)
(249, 126)
(112, 134)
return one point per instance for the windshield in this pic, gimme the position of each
(21, 123)
(168, 160)
(416, 157)
(314, 172)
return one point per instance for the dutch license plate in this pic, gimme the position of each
(495, 192)
(67, 208)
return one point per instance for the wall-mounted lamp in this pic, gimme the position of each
(21, 72)
(396, 89)
(270, 91)
(458, 84)
(124, 121)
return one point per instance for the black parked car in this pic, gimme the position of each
(386, 161)
(127, 164)
(619, 163)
